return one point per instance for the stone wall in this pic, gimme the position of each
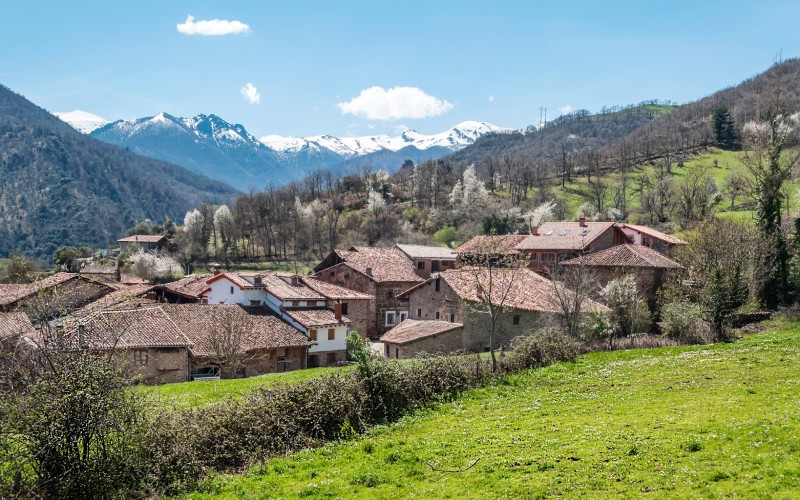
(441, 343)
(342, 275)
(164, 365)
(361, 313)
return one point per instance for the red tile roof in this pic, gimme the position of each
(234, 278)
(191, 286)
(495, 244)
(141, 328)
(656, 234)
(315, 317)
(255, 327)
(12, 293)
(637, 256)
(142, 238)
(130, 297)
(278, 287)
(564, 236)
(334, 292)
(15, 324)
(383, 264)
(412, 330)
(520, 288)
(129, 279)
(426, 252)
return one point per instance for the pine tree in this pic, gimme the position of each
(724, 130)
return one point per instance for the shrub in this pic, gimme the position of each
(682, 320)
(540, 348)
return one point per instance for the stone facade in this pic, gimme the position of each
(158, 365)
(261, 361)
(372, 318)
(426, 303)
(326, 358)
(441, 343)
(361, 313)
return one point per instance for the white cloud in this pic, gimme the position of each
(396, 103)
(212, 27)
(250, 93)
(491, 98)
(565, 110)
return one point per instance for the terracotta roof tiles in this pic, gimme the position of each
(411, 330)
(625, 256)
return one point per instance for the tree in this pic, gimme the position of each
(628, 311)
(735, 184)
(572, 287)
(724, 130)
(66, 258)
(19, 270)
(232, 338)
(770, 169)
(494, 274)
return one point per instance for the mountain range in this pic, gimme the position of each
(210, 146)
(61, 187)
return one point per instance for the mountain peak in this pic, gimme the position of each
(82, 121)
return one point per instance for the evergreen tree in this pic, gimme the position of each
(724, 130)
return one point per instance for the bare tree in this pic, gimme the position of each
(231, 340)
(494, 272)
(572, 287)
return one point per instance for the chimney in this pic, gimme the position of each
(294, 280)
(535, 230)
(369, 271)
(337, 311)
(257, 280)
(582, 221)
(117, 272)
(216, 271)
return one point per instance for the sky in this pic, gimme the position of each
(301, 68)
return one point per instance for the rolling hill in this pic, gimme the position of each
(61, 187)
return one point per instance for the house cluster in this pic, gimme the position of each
(413, 298)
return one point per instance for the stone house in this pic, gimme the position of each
(649, 237)
(648, 266)
(188, 289)
(459, 297)
(55, 295)
(381, 273)
(357, 306)
(428, 259)
(553, 242)
(413, 337)
(261, 341)
(151, 242)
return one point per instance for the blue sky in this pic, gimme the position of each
(128, 59)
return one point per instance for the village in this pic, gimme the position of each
(408, 299)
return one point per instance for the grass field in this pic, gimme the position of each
(197, 394)
(703, 421)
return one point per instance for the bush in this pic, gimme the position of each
(682, 321)
(540, 348)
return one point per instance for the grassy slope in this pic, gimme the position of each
(197, 394)
(691, 421)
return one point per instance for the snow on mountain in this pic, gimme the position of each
(461, 135)
(82, 121)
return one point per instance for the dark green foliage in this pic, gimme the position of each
(66, 258)
(499, 224)
(540, 349)
(724, 294)
(724, 129)
(59, 187)
(19, 269)
(75, 433)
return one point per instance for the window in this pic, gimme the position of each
(452, 318)
(565, 232)
(333, 273)
(585, 232)
(438, 284)
(533, 257)
(346, 275)
(437, 314)
(312, 334)
(402, 316)
(344, 308)
(389, 294)
(516, 319)
(549, 233)
(331, 334)
(390, 318)
(295, 303)
(140, 357)
(281, 352)
(421, 264)
(419, 313)
(330, 358)
(254, 302)
(231, 290)
(396, 352)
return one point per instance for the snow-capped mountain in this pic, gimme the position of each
(461, 135)
(82, 121)
(205, 144)
(211, 146)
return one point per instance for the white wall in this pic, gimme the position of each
(220, 293)
(323, 344)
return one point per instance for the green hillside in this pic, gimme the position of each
(702, 421)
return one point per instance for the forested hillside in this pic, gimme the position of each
(656, 163)
(60, 187)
